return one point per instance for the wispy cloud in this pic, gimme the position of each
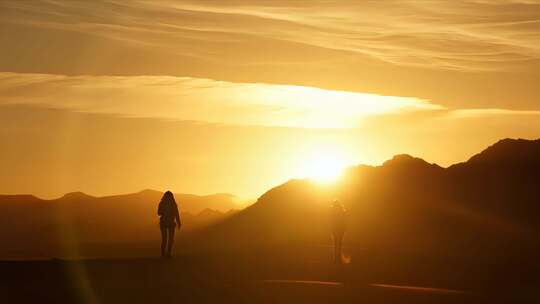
(462, 35)
(475, 113)
(184, 98)
(207, 100)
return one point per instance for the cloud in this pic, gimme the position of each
(476, 113)
(207, 100)
(197, 99)
(459, 35)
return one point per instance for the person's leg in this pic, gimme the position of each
(339, 253)
(335, 239)
(171, 240)
(163, 240)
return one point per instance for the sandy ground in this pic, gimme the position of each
(260, 277)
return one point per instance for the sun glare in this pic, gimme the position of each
(324, 166)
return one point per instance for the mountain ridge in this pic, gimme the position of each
(497, 151)
(74, 195)
(408, 203)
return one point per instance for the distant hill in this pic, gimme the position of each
(490, 203)
(187, 202)
(32, 226)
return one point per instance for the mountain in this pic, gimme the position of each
(511, 151)
(35, 227)
(187, 202)
(77, 196)
(488, 204)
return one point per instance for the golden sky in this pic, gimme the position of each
(238, 96)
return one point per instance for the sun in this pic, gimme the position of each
(325, 170)
(323, 166)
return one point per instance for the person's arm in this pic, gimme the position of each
(177, 215)
(160, 209)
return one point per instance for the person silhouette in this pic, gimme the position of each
(169, 218)
(339, 222)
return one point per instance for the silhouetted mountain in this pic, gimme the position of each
(512, 151)
(407, 162)
(77, 196)
(220, 202)
(490, 203)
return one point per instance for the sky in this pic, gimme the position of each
(234, 96)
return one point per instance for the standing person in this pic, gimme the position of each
(169, 218)
(339, 223)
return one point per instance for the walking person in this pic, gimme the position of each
(339, 223)
(169, 219)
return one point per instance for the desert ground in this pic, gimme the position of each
(292, 274)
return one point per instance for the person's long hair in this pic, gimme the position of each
(168, 196)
